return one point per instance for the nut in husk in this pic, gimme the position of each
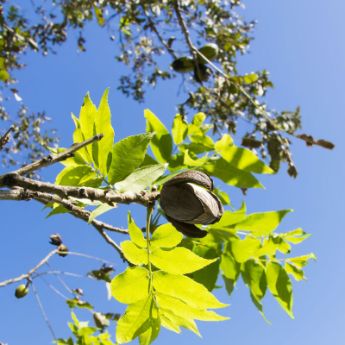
(210, 51)
(201, 73)
(21, 291)
(183, 64)
(62, 250)
(55, 239)
(187, 199)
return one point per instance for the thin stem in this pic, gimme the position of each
(31, 272)
(148, 238)
(43, 312)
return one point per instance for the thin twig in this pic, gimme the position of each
(6, 137)
(52, 159)
(31, 272)
(43, 312)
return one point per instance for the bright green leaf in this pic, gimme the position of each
(134, 254)
(301, 261)
(179, 129)
(280, 286)
(185, 289)
(135, 321)
(227, 173)
(103, 126)
(161, 143)
(72, 175)
(127, 155)
(264, 223)
(135, 233)
(240, 158)
(166, 236)
(245, 249)
(131, 286)
(141, 178)
(296, 272)
(178, 260)
(103, 208)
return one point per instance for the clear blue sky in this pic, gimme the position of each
(302, 44)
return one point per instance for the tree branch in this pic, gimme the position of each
(5, 138)
(105, 196)
(52, 159)
(31, 272)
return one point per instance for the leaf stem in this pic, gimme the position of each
(148, 243)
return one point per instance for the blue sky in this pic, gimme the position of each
(302, 44)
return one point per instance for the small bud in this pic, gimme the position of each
(62, 250)
(187, 199)
(55, 239)
(21, 291)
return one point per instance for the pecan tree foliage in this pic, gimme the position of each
(169, 279)
(199, 42)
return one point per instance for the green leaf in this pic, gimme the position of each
(227, 173)
(193, 162)
(161, 143)
(135, 233)
(135, 321)
(261, 224)
(99, 210)
(153, 329)
(240, 158)
(255, 278)
(231, 271)
(179, 129)
(127, 155)
(134, 254)
(166, 236)
(250, 78)
(280, 286)
(185, 310)
(185, 289)
(295, 236)
(72, 175)
(296, 272)
(173, 322)
(87, 116)
(141, 178)
(245, 249)
(208, 248)
(178, 260)
(103, 126)
(131, 286)
(301, 261)
(78, 137)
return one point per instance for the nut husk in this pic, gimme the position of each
(187, 199)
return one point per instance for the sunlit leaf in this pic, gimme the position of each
(104, 127)
(99, 210)
(240, 158)
(127, 155)
(280, 286)
(263, 223)
(141, 178)
(131, 286)
(227, 173)
(185, 289)
(135, 233)
(245, 249)
(166, 236)
(134, 254)
(179, 129)
(178, 260)
(72, 175)
(161, 143)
